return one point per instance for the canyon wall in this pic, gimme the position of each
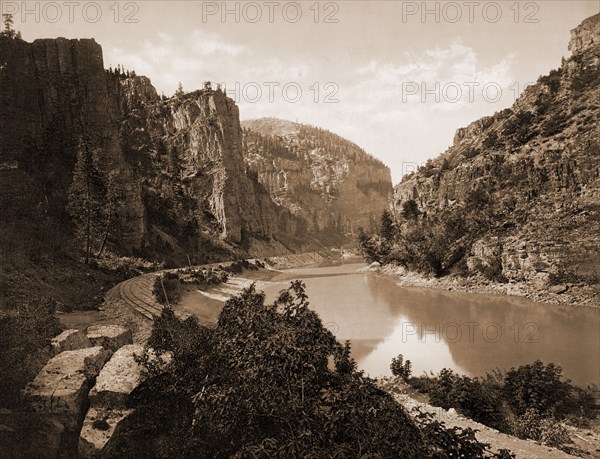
(177, 163)
(333, 184)
(538, 166)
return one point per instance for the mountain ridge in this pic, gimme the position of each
(535, 167)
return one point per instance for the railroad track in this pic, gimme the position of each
(137, 293)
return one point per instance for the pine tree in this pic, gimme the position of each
(110, 220)
(8, 25)
(87, 198)
(386, 226)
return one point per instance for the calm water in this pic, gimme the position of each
(469, 333)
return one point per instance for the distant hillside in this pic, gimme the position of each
(329, 181)
(525, 182)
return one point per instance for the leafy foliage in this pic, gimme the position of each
(25, 336)
(537, 386)
(269, 381)
(527, 401)
(410, 210)
(167, 288)
(401, 368)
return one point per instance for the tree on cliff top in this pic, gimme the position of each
(88, 201)
(8, 31)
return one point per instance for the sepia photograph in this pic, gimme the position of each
(300, 229)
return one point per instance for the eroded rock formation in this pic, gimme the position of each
(331, 183)
(538, 165)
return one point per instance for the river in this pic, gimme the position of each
(469, 333)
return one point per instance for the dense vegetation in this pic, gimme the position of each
(271, 381)
(530, 401)
(25, 335)
(431, 243)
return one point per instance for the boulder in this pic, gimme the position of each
(111, 337)
(70, 340)
(62, 386)
(559, 289)
(118, 378)
(98, 427)
(109, 397)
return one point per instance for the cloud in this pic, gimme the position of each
(375, 110)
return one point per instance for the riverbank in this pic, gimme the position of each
(565, 294)
(584, 442)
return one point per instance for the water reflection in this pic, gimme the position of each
(469, 333)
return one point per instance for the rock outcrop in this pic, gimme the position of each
(118, 378)
(110, 337)
(57, 400)
(537, 165)
(110, 397)
(70, 340)
(331, 183)
(108, 400)
(64, 382)
(54, 93)
(177, 164)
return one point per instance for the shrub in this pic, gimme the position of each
(536, 387)
(401, 368)
(270, 381)
(410, 210)
(527, 402)
(25, 336)
(554, 124)
(446, 442)
(472, 397)
(168, 283)
(542, 429)
(552, 80)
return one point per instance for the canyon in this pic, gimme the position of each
(186, 183)
(535, 167)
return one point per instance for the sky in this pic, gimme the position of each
(396, 77)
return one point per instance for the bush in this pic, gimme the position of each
(536, 387)
(25, 336)
(269, 381)
(542, 429)
(527, 401)
(475, 399)
(401, 368)
(552, 80)
(168, 283)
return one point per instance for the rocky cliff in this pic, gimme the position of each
(177, 164)
(334, 185)
(537, 167)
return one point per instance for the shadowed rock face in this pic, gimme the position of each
(52, 93)
(177, 163)
(58, 398)
(539, 162)
(110, 337)
(70, 340)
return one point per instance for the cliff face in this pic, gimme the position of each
(52, 93)
(177, 163)
(538, 163)
(328, 181)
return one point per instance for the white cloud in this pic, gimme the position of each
(374, 109)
